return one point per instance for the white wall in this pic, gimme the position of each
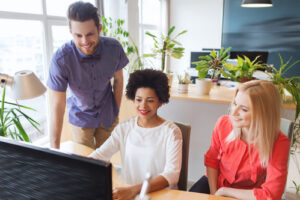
(203, 20)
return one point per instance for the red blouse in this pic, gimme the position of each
(239, 169)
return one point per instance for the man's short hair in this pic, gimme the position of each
(83, 11)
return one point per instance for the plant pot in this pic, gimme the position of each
(203, 86)
(182, 88)
(244, 80)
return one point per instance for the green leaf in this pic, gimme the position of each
(21, 130)
(170, 46)
(213, 54)
(175, 42)
(151, 35)
(171, 30)
(2, 106)
(149, 55)
(182, 32)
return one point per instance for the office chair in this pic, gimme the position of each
(287, 127)
(186, 131)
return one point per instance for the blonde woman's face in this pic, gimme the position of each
(241, 111)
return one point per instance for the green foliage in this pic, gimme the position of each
(10, 120)
(291, 84)
(243, 70)
(184, 79)
(166, 46)
(297, 187)
(213, 62)
(116, 30)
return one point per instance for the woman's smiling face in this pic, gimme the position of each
(241, 111)
(146, 103)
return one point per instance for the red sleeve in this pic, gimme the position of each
(213, 155)
(273, 187)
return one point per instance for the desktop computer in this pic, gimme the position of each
(35, 173)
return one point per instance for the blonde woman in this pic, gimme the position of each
(248, 155)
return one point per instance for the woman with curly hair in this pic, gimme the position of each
(147, 143)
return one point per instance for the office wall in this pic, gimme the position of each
(274, 29)
(203, 20)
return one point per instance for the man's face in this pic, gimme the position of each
(85, 35)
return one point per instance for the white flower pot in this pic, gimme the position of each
(203, 86)
(182, 88)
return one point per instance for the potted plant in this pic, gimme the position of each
(291, 85)
(166, 46)
(212, 63)
(243, 70)
(10, 120)
(116, 30)
(183, 83)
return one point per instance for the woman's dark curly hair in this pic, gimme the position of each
(148, 78)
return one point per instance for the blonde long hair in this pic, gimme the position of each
(265, 103)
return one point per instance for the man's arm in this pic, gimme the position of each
(118, 86)
(57, 110)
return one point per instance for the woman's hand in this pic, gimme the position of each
(124, 193)
(236, 193)
(221, 192)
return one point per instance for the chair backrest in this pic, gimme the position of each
(186, 131)
(286, 127)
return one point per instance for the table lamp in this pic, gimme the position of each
(256, 3)
(23, 85)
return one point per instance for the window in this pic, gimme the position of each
(29, 35)
(152, 18)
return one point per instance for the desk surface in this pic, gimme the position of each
(82, 150)
(218, 94)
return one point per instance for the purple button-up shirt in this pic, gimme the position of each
(91, 101)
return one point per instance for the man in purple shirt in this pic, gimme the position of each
(85, 66)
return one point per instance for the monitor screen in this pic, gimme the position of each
(35, 173)
(195, 56)
(251, 55)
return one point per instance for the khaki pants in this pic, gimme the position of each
(92, 137)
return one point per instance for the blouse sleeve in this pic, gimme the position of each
(212, 156)
(110, 146)
(173, 158)
(273, 187)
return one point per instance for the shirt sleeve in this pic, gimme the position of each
(212, 156)
(123, 60)
(274, 185)
(109, 147)
(57, 79)
(173, 158)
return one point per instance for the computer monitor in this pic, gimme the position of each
(35, 173)
(263, 55)
(195, 56)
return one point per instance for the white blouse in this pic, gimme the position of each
(156, 150)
